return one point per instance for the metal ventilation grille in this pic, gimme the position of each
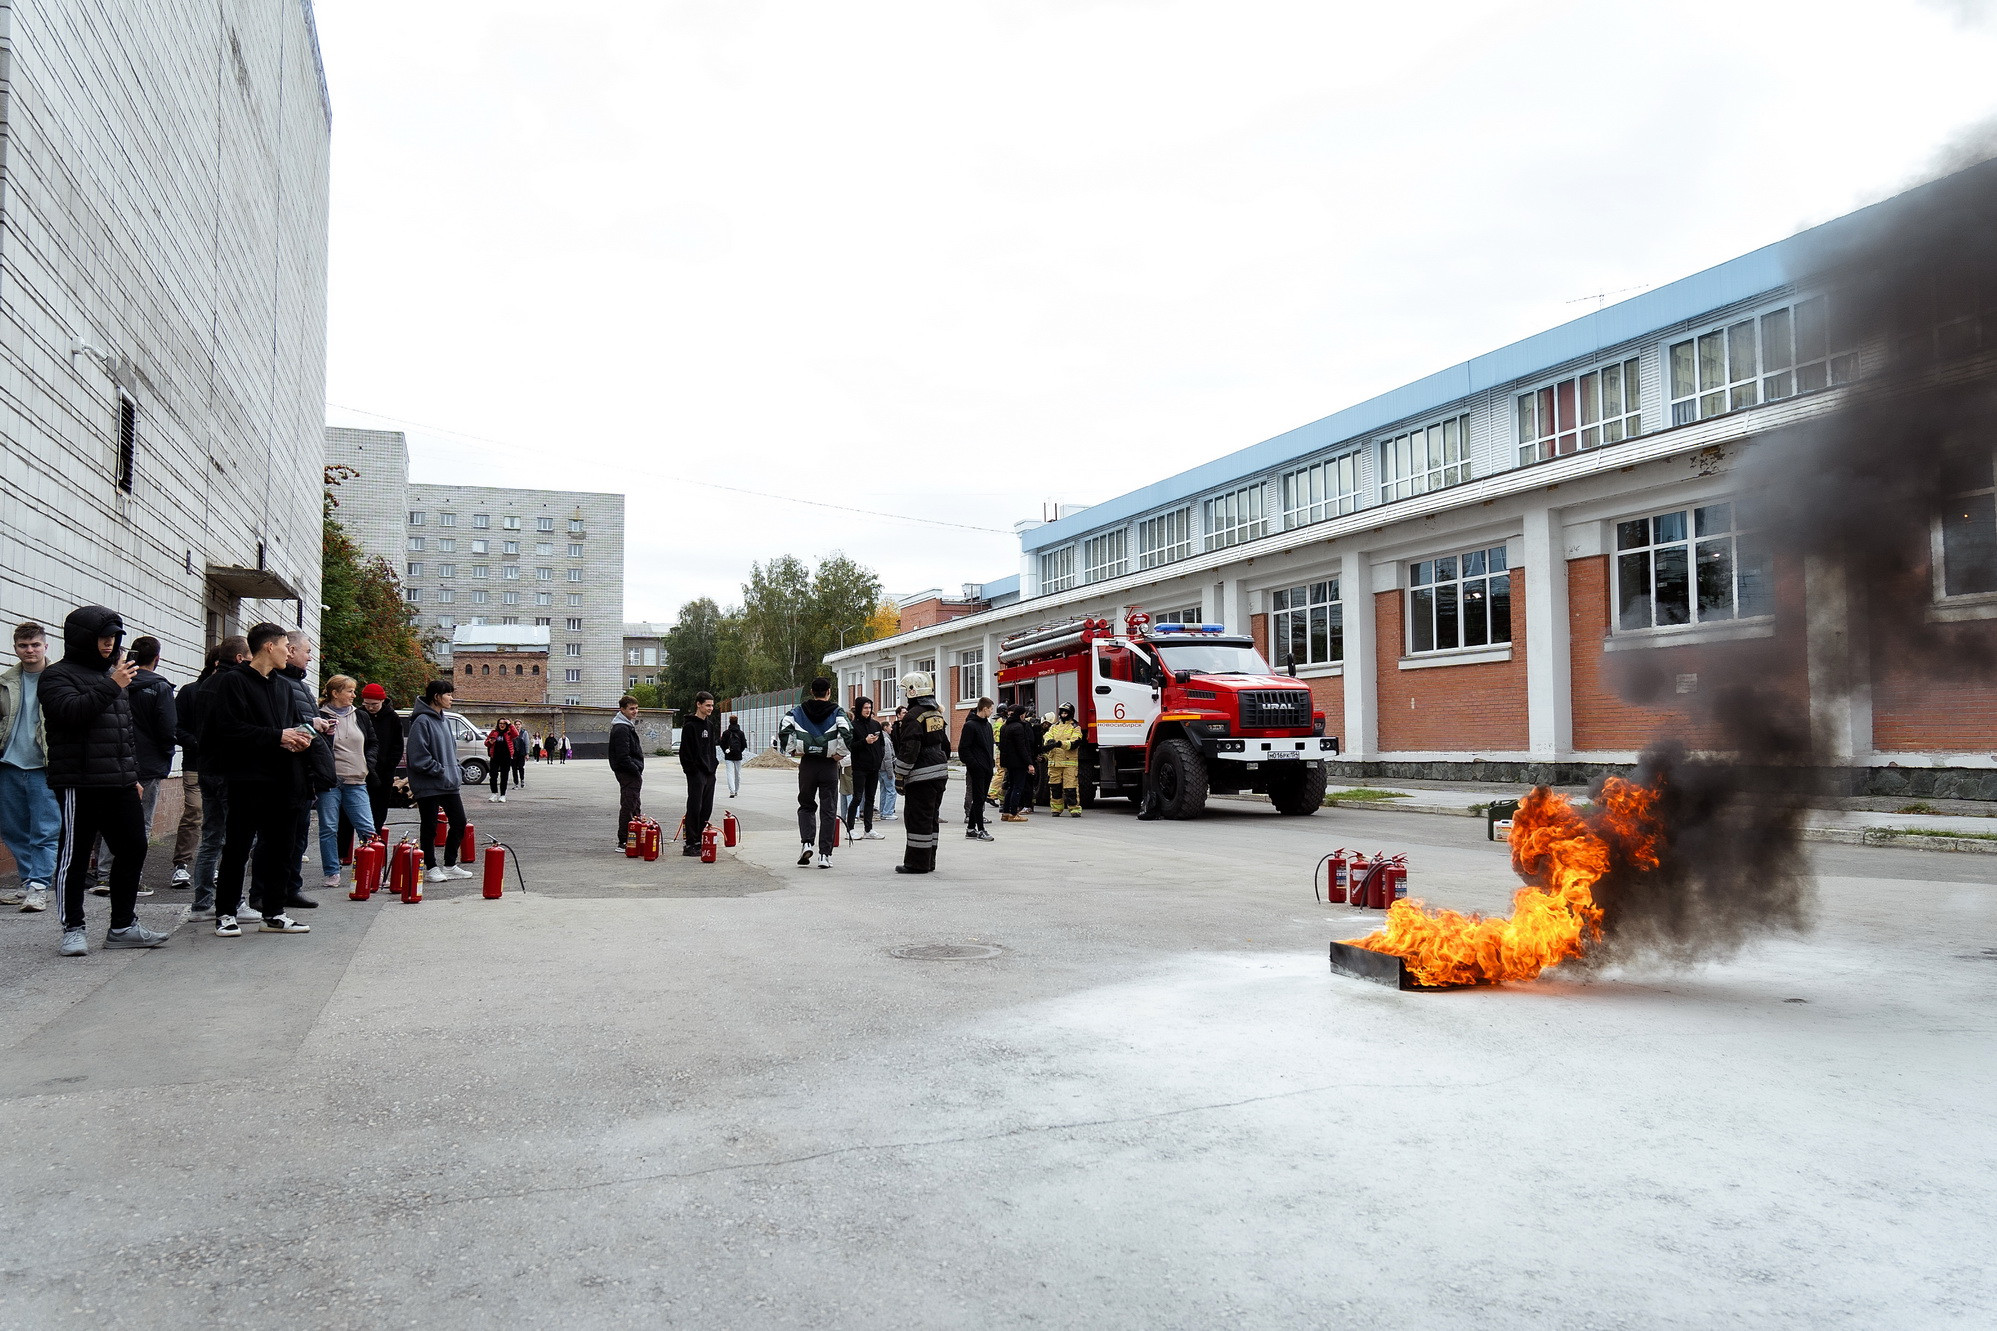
(1266, 709)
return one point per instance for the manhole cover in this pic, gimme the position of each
(946, 951)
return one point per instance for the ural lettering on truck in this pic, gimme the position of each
(1191, 708)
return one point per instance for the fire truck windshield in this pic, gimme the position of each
(1213, 658)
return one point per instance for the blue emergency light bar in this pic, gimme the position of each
(1189, 628)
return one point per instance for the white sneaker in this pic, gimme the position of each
(458, 871)
(282, 924)
(182, 878)
(226, 927)
(825, 861)
(502, 799)
(436, 876)
(492, 799)
(36, 897)
(872, 836)
(332, 882)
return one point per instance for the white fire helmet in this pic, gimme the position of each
(917, 684)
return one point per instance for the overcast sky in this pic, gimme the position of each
(950, 260)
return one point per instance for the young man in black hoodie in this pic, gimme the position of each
(251, 739)
(213, 803)
(699, 735)
(154, 722)
(627, 764)
(975, 747)
(93, 769)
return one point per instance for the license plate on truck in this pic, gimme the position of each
(1282, 753)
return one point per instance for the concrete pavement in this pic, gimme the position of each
(686, 1095)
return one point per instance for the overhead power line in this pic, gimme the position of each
(675, 480)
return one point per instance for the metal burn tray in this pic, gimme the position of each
(1381, 968)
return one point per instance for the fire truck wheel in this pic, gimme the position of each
(1301, 793)
(1182, 780)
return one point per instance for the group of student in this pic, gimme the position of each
(87, 740)
(914, 752)
(508, 750)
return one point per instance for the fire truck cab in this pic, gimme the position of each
(1195, 706)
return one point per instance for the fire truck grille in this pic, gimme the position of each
(1268, 709)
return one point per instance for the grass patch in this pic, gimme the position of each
(1917, 807)
(1932, 831)
(1365, 793)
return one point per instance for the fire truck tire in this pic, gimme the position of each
(1182, 779)
(1302, 794)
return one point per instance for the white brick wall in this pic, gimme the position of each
(371, 504)
(163, 196)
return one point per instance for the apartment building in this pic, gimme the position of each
(163, 215)
(490, 555)
(1478, 571)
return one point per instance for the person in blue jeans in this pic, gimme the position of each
(30, 818)
(887, 796)
(353, 758)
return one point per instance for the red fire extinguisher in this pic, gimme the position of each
(1355, 879)
(710, 840)
(468, 847)
(634, 839)
(363, 854)
(443, 834)
(397, 868)
(412, 878)
(1379, 883)
(495, 871)
(1335, 880)
(731, 830)
(654, 838)
(1399, 872)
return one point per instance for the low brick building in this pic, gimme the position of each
(500, 663)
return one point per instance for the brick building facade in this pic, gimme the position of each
(505, 663)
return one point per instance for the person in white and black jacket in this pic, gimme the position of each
(254, 742)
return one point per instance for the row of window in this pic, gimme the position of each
(481, 521)
(507, 572)
(1778, 354)
(449, 545)
(480, 596)
(568, 676)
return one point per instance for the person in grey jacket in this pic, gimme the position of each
(433, 779)
(30, 818)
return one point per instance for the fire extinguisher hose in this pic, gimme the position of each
(513, 858)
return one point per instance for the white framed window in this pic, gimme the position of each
(447, 570)
(1965, 540)
(572, 649)
(970, 674)
(511, 619)
(415, 517)
(1603, 406)
(630, 681)
(631, 656)
(509, 572)
(544, 524)
(887, 689)
(1462, 600)
(512, 524)
(1425, 459)
(575, 598)
(510, 598)
(542, 621)
(651, 656)
(447, 545)
(480, 596)
(1688, 566)
(575, 550)
(510, 548)
(477, 620)
(447, 519)
(575, 526)
(480, 570)
(544, 575)
(544, 598)
(1235, 517)
(446, 622)
(1326, 489)
(544, 549)
(1780, 354)
(1185, 614)
(413, 595)
(572, 702)
(416, 543)
(481, 547)
(1106, 556)
(481, 521)
(1057, 569)
(572, 676)
(1167, 537)
(575, 623)
(1307, 624)
(413, 569)
(446, 595)
(575, 575)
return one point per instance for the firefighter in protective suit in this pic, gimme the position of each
(1063, 746)
(921, 742)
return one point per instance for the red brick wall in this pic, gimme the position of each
(1603, 719)
(1450, 709)
(502, 685)
(1915, 713)
(925, 614)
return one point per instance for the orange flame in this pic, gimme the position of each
(1562, 854)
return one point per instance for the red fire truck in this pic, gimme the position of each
(1195, 705)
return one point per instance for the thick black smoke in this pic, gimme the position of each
(1850, 502)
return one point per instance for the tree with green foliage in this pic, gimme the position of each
(366, 629)
(790, 619)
